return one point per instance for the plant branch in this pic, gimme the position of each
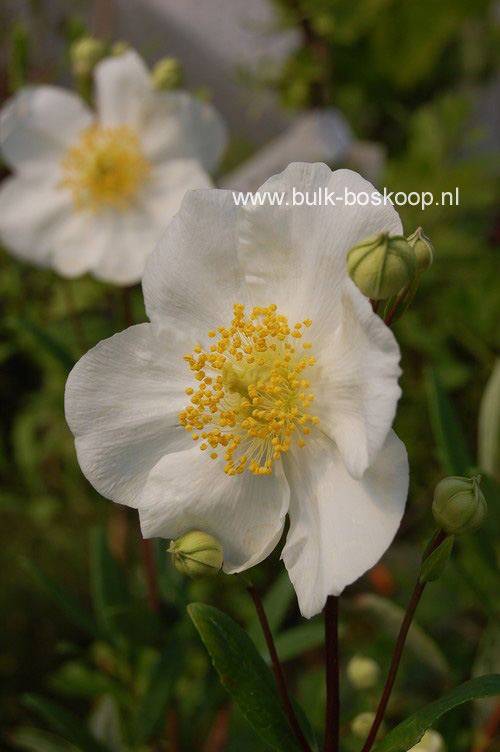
(399, 300)
(332, 724)
(400, 643)
(149, 568)
(278, 671)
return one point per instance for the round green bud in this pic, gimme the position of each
(431, 741)
(84, 55)
(362, 723)
(381, 265)
(197, 554)
(167, 74)
(424, 250)
(362, 672)
(459, 506)
(119, 48)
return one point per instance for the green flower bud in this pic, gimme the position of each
(381, 265)
(362, 672)
(424, 250)
(167, 74)
(362, 723)
(431, 741)
(84, 55)
(119, 48)
(197, 554)
(459, 506)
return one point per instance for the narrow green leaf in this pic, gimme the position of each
(158, 694)
(390, 616)
(49, 343)
(65, 600)
(245, 676)
(65, 723)
(30, 739)
(410, 731)
(298, 640)
(276, 603)
(109, 587)
(448, 433)
(489, 426)
(434, 565)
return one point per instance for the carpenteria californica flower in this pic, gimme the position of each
(92, 192)
(263, 386)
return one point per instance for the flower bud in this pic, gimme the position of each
(431, 741)
(197, 554)
(459, 506)
(362, 723)
(424, 250)
(362, 672)
(381, 265)
(84, 55)
(167, 74)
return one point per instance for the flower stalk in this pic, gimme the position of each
(277, 669)
(400, 643)
(332, 724)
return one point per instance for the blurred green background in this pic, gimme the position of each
(80, 648)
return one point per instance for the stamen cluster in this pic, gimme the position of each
(251, 399)
(105, 168)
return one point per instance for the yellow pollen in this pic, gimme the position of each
(105, 169)
(255, 406)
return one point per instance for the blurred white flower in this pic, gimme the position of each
(262, 354)
(92, 192)
(432, 741)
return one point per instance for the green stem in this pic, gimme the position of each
(400, 643)
(332, 725)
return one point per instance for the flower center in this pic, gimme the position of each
(105, 169)
(251, 400)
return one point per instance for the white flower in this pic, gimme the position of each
(92, 192)
(291, 402)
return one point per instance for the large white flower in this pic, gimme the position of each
(92, 192)
(264, 385)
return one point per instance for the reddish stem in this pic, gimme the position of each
(332, 724)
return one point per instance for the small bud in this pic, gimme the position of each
(431, 741)
(84, 55)
(119, 48)
(381, 265)
(167, 74)
(362, 672)
(362, 723)
(459, 506)
(424, 250)
(197, 554)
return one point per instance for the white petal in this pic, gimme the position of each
(193, 278)
(164, 191)
(190, 491)
(175, 125)
(122, 403)
(80, 245)
(340, 527)
(32, 212)
(128, 238)
(123, 87)
(355, 382)
(295, 256)
(37, 126)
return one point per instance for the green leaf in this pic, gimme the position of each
(49, 343)
(410, 731)
(110, 592)
(65, 600)
(446, 427)
(244, 674)
(489, 426)
(35, 740)
(298, 640)
(65, 723)
(434, 565)
(158, 693)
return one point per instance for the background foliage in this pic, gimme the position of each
(84, 662)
